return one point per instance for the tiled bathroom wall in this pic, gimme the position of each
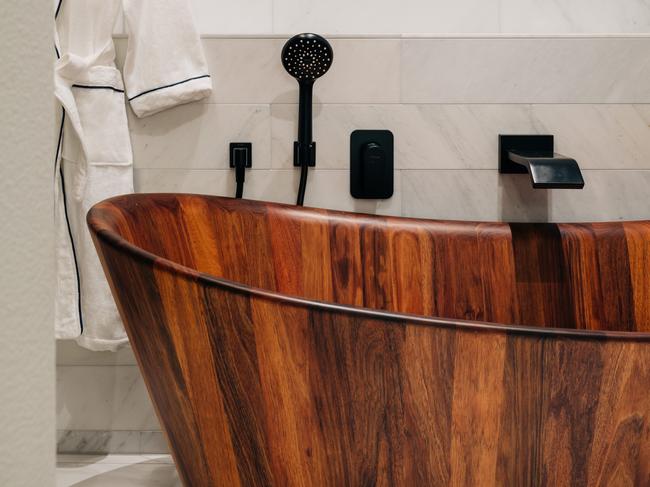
(445, 98)
(415, 16)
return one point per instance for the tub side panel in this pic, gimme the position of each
(134, 286)
(255, 391)
(638, 244)
(595, 427)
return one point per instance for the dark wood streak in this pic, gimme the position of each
(247, 322)
(232, 339)
(543, 289)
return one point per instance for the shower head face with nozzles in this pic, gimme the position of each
(307, 57)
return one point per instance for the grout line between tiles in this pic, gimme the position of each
(96, 365)
(427, 36)
(347, 169)
(428, 103)
(107, 431)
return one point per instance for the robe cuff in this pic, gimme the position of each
(161, 98)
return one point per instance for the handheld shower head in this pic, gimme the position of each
(307, 57)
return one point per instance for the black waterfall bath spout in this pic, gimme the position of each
(535, 155)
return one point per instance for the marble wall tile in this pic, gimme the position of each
(69, 353)
(599, 136)
(526, 70)
(439, 70)
(457, 136)
(213, 182)
(250, 71)
(377, 17)
(198, 136)
(103, 398)
(144, 474)
(484, 195)
(285, 17)
(326, 188)
(444, 136)
(153, 442)
(363, 71)
(466, 136)
(576, 16)
(608, 195)
(426, 136)
(94, 442)
(228, 17)
(98, 442)
(106, 459)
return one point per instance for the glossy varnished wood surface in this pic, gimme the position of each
(256, 383)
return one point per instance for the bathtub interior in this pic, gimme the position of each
(576, 276)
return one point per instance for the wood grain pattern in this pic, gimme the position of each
(285, 346)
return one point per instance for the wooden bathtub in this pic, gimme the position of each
(285, 346)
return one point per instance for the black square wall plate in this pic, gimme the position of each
(371, 164)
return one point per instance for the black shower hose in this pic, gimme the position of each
(303, 184)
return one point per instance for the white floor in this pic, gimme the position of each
(116, 471)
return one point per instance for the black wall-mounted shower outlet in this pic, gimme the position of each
(371, 164)
(241, 152)
(241, 158)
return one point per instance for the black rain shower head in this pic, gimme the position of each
(307, 57)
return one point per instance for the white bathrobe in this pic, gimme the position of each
(164, 67)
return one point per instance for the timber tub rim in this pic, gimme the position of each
(100, 230)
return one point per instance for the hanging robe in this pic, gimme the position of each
(165, 66)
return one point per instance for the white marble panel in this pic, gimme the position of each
(599, 136)
(112, 459)
(363, 71)
(608, 195)
(153, 442)
(466, 136)
(212, 182)
(98, 442)
(110, 442)
(228, 17)
(103, 398)
(377, 17)
(484, 195)
(198, 136)
(250, 71)
(146, 473)
(457, 136)
(247, 70)
(575, 16)
(526, 70)
(69, 353)
(325, 188)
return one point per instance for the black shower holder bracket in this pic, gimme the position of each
(310, 154)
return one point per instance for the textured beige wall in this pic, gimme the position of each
(26, 259)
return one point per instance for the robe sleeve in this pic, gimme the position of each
(165, 65)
